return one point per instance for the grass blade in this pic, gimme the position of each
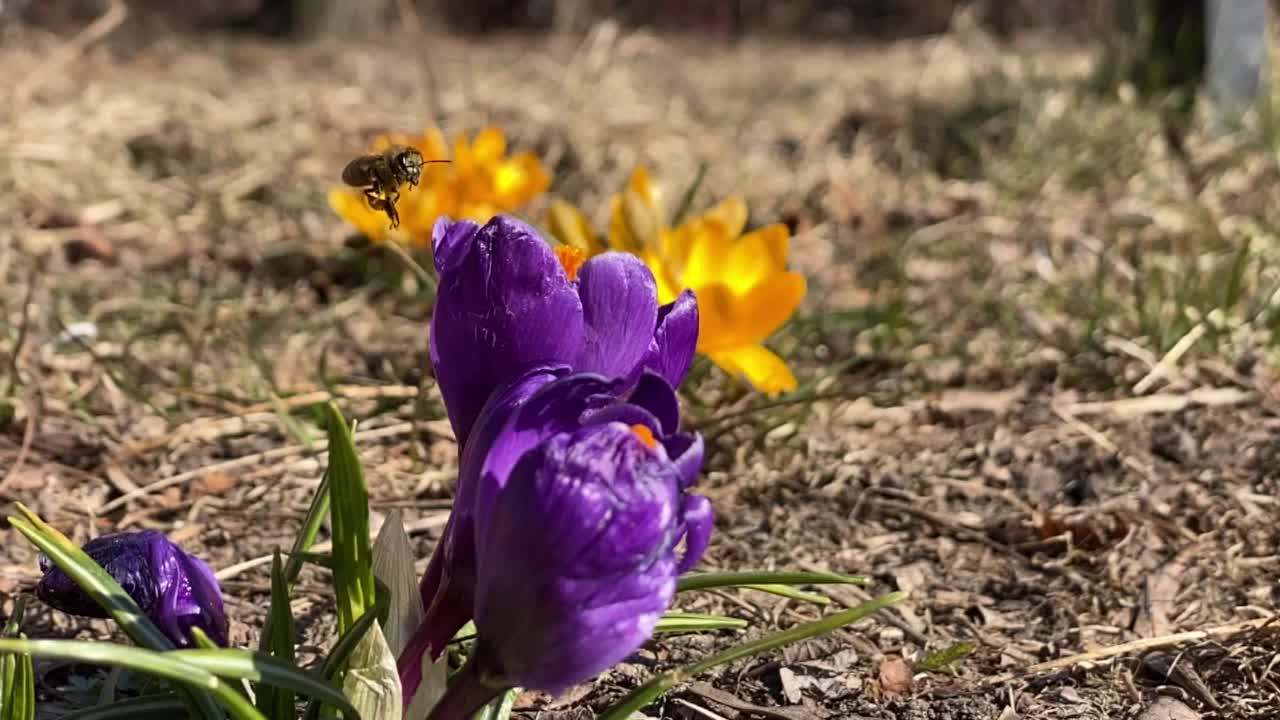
(651, 690)
(706, 581)
(264, 669)
(164, 665)
(304, 541)
(690, 194)
(674, 622)
(17, 678)
(273, 701)
(947, 657)
(349, 516)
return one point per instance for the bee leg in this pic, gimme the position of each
(390, 206)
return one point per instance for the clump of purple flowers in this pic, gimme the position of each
(573, 499)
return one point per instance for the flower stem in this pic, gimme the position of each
(469, 690)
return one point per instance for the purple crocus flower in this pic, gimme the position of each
(527, 349)
(176, 591)
(576, 554)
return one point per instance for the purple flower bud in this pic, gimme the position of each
(176, 591)
(577, 428)
(576, 557)
(505, 304)
(576, 560)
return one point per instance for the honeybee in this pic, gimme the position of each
(381, 175)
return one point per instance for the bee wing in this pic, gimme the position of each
(361, 171)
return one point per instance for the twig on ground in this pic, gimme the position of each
(275, 454)
(1114, 651)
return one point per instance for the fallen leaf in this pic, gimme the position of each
(895, 678)
(217, 482)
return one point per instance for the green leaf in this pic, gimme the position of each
(154, 707)
(264, 669)
(653, 689)
(353, 563)
(305, 539)
(160, 664)
(276, 702)
(98, 584)
(756, 579)
(341, 653)
(393, 566)
(371, 681)
(17, 677)
(674, 622)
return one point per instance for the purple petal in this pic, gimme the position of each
(676, 339)
(627, 414)
(654, 394)
(450, 241)
(503, 305)
(685, 450)
(556, 407)
(620, 309)
(699, 520)
(202, 601)
(575, 562)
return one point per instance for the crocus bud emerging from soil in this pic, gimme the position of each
(175, 590)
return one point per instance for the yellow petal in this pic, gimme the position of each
(709, 245)
(731, 211)
(669, 286)
(570, 226)
(519, 180)
(489, 146)
(433, 146)
(728, 319)
(755, 256)
(642, 185)
(351, 207)
(760, 366)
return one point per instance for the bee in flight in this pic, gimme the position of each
(381, 175)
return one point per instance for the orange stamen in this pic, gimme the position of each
(646, 435)
(571, 259)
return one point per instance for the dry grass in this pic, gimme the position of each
(1000, 263)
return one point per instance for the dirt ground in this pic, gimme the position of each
(1037, 355)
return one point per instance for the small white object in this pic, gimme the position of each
(1237, 52)
(78, 330)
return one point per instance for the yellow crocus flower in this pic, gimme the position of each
(480, 181)
(745, 291)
